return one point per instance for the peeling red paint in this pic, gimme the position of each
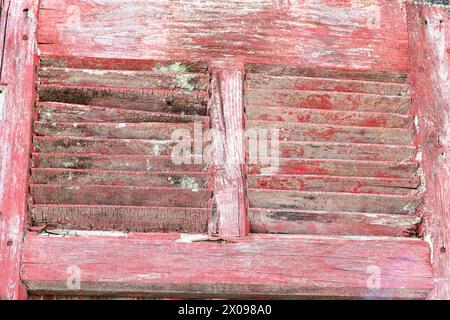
(15, 138)
(431, 104)
(329, 74)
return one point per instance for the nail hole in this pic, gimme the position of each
(9, 243)
(443, 250)
(426, 21)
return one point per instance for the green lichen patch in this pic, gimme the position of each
(174, 67)
(184, 182)
(187, 82)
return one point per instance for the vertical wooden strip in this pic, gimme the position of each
(431, 104)
(226, 109)
(15, 137)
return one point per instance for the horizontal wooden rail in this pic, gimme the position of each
(260, 266)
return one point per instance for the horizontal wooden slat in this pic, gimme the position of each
(110, 63)
(291, 131)
(150, 130)
(175, 78)
(176, 101)
(108, 218)
(282, 266)
(332, 223)
(121, 178)
(334, 184)
(296, 70)
(380, 169)
(65, 112)
(119, 195)
(337, 117)
(262, 81)
(347, 151)
(106, 146)
(330, 201)
(113, 162)
(328, 100)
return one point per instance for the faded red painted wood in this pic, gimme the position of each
(348, 163)
(348, 166)
(364, 35)
(342, 101)
(15, 138)
(335, 117)
(431, 103)
(260, 266)
(334, 184)
(347, 151)
(103, 146)
(287, 82)
(288, 221)
(226, 107)
(332, 167)
(292, 131)
(293, 70)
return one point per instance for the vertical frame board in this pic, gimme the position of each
(20, 57)
(429, 78)
(226, 107)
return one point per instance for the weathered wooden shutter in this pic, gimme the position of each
(334, 208)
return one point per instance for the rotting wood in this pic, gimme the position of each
(176, 79)
(120, 178)
(145, 131)
(176, 101)
(110, 218)
(333, 201)
(120, 195)
(103, 145)
(285, 221)
(64, 112)
(113, 162)
(121, 64)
